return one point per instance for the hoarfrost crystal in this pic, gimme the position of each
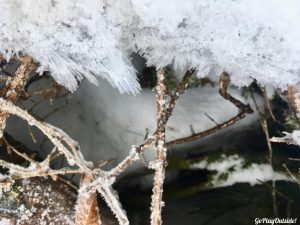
(250, 39)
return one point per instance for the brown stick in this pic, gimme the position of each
(205, 133)
(291, 92)
(224, 82)
(1, 58)
(264, 126)
(180, 89)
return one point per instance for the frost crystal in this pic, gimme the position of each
(250, 39)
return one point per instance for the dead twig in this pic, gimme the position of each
(101, 181)
(268, 106)
(291, 174)
(15, 87)
(244, 110)
(265, 128)
(224, 82)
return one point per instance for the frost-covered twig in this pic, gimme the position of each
(136, 150)
(224, 82)
(67, 146)
(160, 162)
(243, 111)
(180, 89)
(59, 138)
(102, 181)
(133, 156)
(34, 170)
(14, 88)
(112, 200)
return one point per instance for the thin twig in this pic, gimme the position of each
(291, 174)
(268, 104)
(211, 119)
(23, 155)
(137, 150)
(244, 110)
(14, 88)
(264, 125)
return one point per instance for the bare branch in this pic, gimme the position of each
(291, 174)
(244, 110)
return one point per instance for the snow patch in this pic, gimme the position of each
(231, 170)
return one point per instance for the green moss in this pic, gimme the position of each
(10, 195)
(290, 122)
(178, 163)
(223, 176)
(171, 81)
(196, 82)
(182, 193)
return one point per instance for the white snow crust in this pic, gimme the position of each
(250, 39)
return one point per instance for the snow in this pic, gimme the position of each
(4, 221)
(69, 38)
(233, 166)
(289, 138)
(250, 39)
(296, 137)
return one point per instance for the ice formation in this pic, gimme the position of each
(250, 39)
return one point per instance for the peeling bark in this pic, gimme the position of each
(87, 211)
